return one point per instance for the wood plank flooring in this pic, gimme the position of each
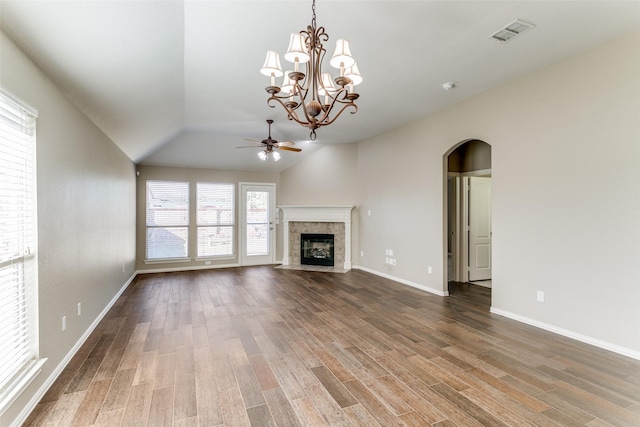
(260, 346)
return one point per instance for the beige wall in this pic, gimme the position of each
(86, 216)
(328, 177)
(566, 200)
(192, 176)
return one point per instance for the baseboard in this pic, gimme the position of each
(569, 334)
(403, 281)
(21, 418)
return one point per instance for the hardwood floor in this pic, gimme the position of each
(271, 347)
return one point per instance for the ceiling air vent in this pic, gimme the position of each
(511, 31)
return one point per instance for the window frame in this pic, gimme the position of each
(186, 226)
(200, 224)
(20, 268)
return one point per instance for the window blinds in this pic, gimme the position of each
(167, 220)
(215, 219)
(18, 278)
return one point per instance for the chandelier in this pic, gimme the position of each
(310, 98)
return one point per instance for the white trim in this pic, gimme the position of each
(166, 260)
(463, 250)
(403, 281)
(192, 267)
(26, 107)
(479, 172)
(243, 258)
(311, 213)
(214, 258)
(569, 334)
(27, 375)
(29, 407)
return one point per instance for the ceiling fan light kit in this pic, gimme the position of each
(310, 98)
(269, 144)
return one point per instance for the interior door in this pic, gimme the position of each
(479, 228)
(257, 228)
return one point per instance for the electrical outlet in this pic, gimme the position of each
(79, 309)
(64, 323)
(123, 268)
(430, 270)
(362, 253)
(369, 212)
(540, 296)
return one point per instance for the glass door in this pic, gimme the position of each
(257, 236)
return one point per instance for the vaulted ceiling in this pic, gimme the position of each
(177, 83)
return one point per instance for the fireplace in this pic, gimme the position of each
(305, 219)
(317, 249)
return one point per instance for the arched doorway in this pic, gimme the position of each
(467, 168)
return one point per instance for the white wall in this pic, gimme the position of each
(566, 199)
(86, 216)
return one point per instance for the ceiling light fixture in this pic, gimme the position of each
(268, 153)
(302, 94)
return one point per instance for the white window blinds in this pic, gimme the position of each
(167, 220)
(215, 219)
(18, 265)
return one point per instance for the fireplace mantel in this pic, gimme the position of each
(309, 213)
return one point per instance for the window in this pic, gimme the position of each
(18, 262)
(167, 220)
(215, 219)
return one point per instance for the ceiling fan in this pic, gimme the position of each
(269, 144)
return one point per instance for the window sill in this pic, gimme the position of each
(215, 258)
(166, 260)
(20, 383)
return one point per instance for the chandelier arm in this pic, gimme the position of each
(335, 98)
(291, 113)
(325, 120)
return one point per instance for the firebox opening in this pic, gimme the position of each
(316, 249)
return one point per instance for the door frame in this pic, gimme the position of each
(460, 228)
(243, 259)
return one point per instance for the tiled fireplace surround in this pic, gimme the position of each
(334, 220)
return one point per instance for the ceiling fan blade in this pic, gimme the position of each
(297, 150)
(253, 140)
(248, 146)
(286, 144)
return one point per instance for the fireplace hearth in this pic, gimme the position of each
(317, 249)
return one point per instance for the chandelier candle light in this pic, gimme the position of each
(309, 98)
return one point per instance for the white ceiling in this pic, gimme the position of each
(177, 83)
